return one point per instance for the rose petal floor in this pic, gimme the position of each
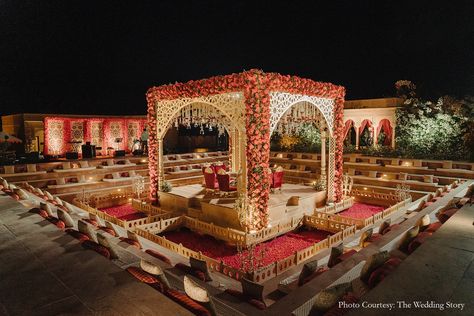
(362, 210)
(274, 250)
(124, 212)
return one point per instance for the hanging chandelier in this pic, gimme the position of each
(202, 116)
(295, 118)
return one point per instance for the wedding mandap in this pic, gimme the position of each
(250, 106)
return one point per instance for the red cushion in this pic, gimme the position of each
(381, 272)
(158, 255)
(91, 221)
(142, 275)
(374, 237)
(419, 239)
(77, 234)
(257, 303)
(348, 298)
(160, 287)
(235, 293)
(107, 230)
(188, 270)
(186, 302)
(314, 275)
(446, 214)
(89, 244)
(131, 242)
(347, 254)
(433, 227)
(56, 221)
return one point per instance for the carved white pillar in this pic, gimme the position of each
(233, 155)
(393, 136)
(331, 169)
(323, 158)
(160, 164)
(375, 136)
(357, 136)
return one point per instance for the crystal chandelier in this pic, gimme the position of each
(294, 119)
(201, 116)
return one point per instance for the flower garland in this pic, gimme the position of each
(256, 86)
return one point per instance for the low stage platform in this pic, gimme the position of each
(294, 200)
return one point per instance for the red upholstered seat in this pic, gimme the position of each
(56, 221)
(381, 272)
(224, 183)
(77, 234)
(186, 302)
(419, 239)
(39, 211)
(89, 244)
(194, 272)
(158, 255)
(142, 275)
(210, 180)
(277, 181)
(216, 168)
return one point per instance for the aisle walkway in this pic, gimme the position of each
(46, 272)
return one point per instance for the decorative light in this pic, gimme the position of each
(297, 116)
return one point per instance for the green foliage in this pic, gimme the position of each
(308, 139)
(166, 186)
(434, 130)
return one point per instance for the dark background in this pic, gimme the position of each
(100, 57)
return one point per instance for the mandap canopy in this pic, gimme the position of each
(249, 106)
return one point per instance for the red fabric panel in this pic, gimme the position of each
(347, 127)
(363, 125)
(385, 125)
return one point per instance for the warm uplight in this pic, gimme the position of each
(365, 188)
(129, 199)
(90, 178)
(119, 190)
(143, 160)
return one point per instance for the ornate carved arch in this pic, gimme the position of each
(280, 102)
(230, 104)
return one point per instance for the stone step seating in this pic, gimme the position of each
(63, 277)
(300, 299)
(123, 245)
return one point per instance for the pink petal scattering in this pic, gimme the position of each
(274, 250)
(124, 212)
(361, 210)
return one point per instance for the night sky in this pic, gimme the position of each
(100, 57)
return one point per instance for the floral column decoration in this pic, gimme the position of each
(257, 110)
(339, 136)
(152, 149)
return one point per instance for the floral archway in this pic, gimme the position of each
(252, 98)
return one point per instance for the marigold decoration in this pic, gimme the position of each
(256, 87)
